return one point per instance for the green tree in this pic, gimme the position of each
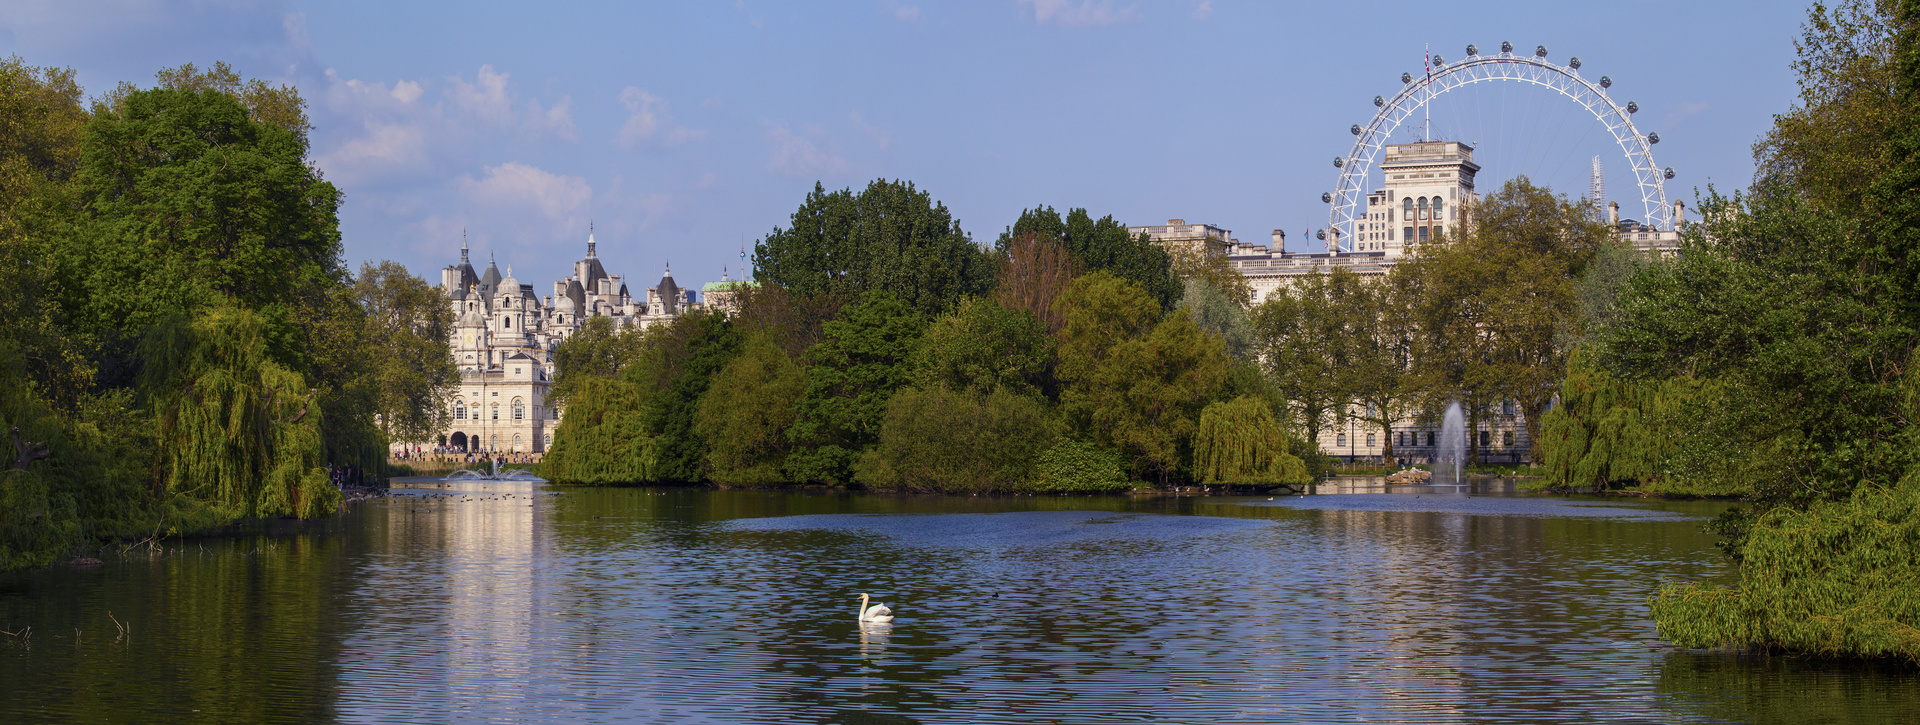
(1220, 313)
(597, 350)
(1379, 372)
(190, 202)
(41, 123)
(409, 325)
(1239, 442)
(1102, 245)
(1491, 305)
(746, 412)
(676, 367)
(980, 347)
(866, 356)
(1850, 95)
(236, 430)
(939, 440)
(890, 237)
(605, 437)
(1195, 264)
(1142, 393)
(1302, 335)
(1102, 311)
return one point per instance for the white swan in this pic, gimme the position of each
(876, 614)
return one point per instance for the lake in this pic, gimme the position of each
(518, 602)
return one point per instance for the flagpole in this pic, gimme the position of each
(1426, 132)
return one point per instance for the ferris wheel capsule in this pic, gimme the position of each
(1540, 51)
(1355, 129)
(1326, 197)
(1322, 234)
(1606, 82)
(1668, 173)
(1406, 77)
(1438, 61)
(1653, 137)
(1379, 102)
(1339, 162)
(1633, 107)
(1506, 47)
(1472, 49)
(1574, 62)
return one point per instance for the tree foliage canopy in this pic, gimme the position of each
(1102, 245)
(890, 237)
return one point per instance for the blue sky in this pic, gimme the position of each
(682, 130)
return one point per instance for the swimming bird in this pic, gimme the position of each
(876, 614)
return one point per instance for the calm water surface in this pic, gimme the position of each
(525, 602)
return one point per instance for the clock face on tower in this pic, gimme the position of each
(469, 339)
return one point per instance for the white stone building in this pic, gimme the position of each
(505, 334)
(1426, 186)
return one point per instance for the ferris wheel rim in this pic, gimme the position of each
(1343, 217)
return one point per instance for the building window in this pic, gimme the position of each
(1340, 441)
(1437, 206)
(1407, 207)
(1423, 207)
(516, 442)
(496, 411)
(1369, 440)
(1506, 407)
(1436, 231)
(459, 410)
(1486, 438)
(519, 409)
(495, 442)
(1423, 234)
(1406, 233)
(1429, 439)
(1506, 438)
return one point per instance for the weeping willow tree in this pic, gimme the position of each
(235, 430)
(603, 437)
(1836, 579)
(1606, 431)
(1239, 441)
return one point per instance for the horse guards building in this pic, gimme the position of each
(505, 333)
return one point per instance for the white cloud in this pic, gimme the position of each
(404, 91)
(385, 149)
(558, 119)
(395, 130)
(1684, 112)
(1086, 13)
(902, 12)
(797, 156)
(486, 97)
(557, 197)
(647, 121)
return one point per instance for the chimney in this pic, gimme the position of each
(1613, 213)
(1279, 241)
(1679, 215)
(1176, 222)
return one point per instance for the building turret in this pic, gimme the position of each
(668, 291)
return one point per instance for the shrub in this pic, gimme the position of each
(1077, 466)
(941, 441)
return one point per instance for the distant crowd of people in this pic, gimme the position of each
(460, 455)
